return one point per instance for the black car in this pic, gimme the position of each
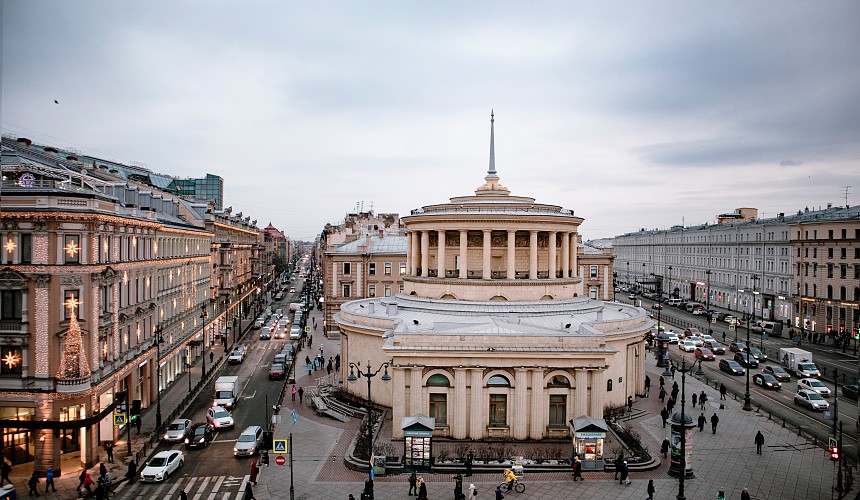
(738, 347)
(200, 436)
(850, 391)
(746, 360)
(767, 381)
(731, 367)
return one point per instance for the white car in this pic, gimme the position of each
(219, 417)
(813, 384)
(811, 400)
(237, 356)
(177, 430)
(159, 467)
(673, 337)
(708, 338)
(687, 345)
(697, 341)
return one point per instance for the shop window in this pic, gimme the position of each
(10, 305)
(557, 410)
(439, 408)
(498, 409)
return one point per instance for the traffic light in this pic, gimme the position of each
(268, 438)
(834, 452)
(120, 397)
(135, 407)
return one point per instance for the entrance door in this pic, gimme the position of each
(16, 445)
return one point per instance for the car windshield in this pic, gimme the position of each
(224, 395)
(767, 377)
(176, 426)
(200, 431)
(247, 438)
(706, 351)
(814, 395)
(158, 462)
(806, 366)
(221, 414)
(815, 383)
(277, 366)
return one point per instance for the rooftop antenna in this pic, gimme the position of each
(845, 189)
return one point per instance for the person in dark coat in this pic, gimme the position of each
(109, 451)
(132, 472)
(703, 398)
(664, 414)
(723, 391)
(422, 489)
(458, 486)
(651, 489)
(629, 404)
(469, 459)
(249, 492)
(301, 395)
(647, 385)
(183, 495)
(577, 469)
(745, 494)
(662, 394)
(759, 442)
(694, 400)
(714, 421)
(625, 471)
(5, 469)
(702, 422)
(102, 470)
(33, 483)
(664, 448)
(413, 484)
(81, 477)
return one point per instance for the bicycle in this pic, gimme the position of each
(517, 486)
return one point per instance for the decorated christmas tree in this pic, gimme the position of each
(73, 363)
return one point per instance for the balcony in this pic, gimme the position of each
(73, 385)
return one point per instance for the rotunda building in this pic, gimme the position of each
(492, 335)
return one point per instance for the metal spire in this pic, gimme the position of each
(492, 171)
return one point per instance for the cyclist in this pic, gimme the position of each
(510, 477)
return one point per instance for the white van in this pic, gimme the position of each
(674, 302)
(295, 332)
(691, 306)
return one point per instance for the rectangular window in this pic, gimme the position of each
(388, 290)
(72, 249)
(11, 305)
(856, 268)
(26, 248)
(371, 290)
(71, 296)
(12, 357)
(843, 252)
(843, 271)
(439, 408)
(371, 269)
(829, 270)
(387, 268)
(593, 272)
(347, 289)
(558, 410)
(829, 253)
(498, 409)
(347, 268)
(402, 268)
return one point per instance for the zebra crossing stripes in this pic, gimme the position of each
(196, 488)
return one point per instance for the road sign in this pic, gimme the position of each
(731, 327)
(230, 324)
(281, 460)
(280, 446)
(119, 419)
(307, 329)
(294, 416)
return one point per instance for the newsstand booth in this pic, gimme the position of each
(417, 442)
(589, 434)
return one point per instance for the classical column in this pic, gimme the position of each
(538, 407)
(440, 254)
(552, 254)
(565, 255)
(533, 260)
(409, 251)
(464, 253)
(486, 272)
(334, 293)
(42, 339)
(521, 411)
(425, 252)
(459, 418)
(476, 408)
(580, 402)
(573, 245)
(398, 401)
(416, 253)
(415, 391)
(598, 383)
(512, 255)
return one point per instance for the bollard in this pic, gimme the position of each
(783, 423)
(800, 431)
(769, 415)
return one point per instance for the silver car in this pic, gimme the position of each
(177, 430)
(219, 417)
(249, 441)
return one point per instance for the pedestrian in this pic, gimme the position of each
(254, 471)
(721, 495)
(321, 351)
(722, 391)
(310, 340)
(702, 422)
(88, 483)
(49, 480)
(328, 367)
(307, 360)
(703, 398)
(422, 489)
(109, 451)
(662, 381)
(650, 489)
(458, 486)
(664, 414)
(102, 470)
(694, 400)
(183, 495)
(673, 371)
(619, 460)
(745, 494)
(724, 336)
(664, 447)
(136, 422)
(629, 404)
(413, 484)
(351, 497)
(670, 405)
(662, 394)
(499, 493)
(81, 477)
(647, 385)
(310, 369)
(249, 492)
(337, 362)
(714, 421)
(33, 483)
(301, 395)
(759, 442)
(473, 491)
(293, 392)
(211, 357)
(5, 469)
(577, 469)
(468, 464)
(625, 471)
(130, 475)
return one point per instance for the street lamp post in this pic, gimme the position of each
(368, 374)
(203, 316)
(683, 421)
(628, 274)
(188, 366)
(159, 339)
(669, 282)
(708, 301)
(747, 399)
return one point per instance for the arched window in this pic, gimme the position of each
(609, 385)
(843, 293)
(559, 381)
(829, 291)
(498, 381)
(438, 380)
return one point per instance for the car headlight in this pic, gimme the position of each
(186, 440)
(167, 436)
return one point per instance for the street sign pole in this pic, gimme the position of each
(292, 490)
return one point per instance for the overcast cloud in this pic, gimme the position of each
(633, 114)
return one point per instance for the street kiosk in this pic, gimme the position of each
(417, 442)
(589, 434)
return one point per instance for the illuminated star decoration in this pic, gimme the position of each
(72, 249)
(10, 246)
(11, 359)
(72, 303)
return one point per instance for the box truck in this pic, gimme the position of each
(798, 361)
(226, 390)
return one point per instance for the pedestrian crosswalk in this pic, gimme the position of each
(195, 488)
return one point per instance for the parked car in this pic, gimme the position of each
(778, 372)
(277, 371)
(850, 391)
(737, 347)
(259, 322)
(746, 360)
(249, 441)
(813, 384)
(731, 367)
(200, 436)
(219, 417)
(704, 353)
(687, 345)
(159, 467)
(715, 347)
(767, 381)
(177, 430)
(811, 400)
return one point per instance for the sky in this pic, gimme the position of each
(632, 114)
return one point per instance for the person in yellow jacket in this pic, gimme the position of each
(510, 477)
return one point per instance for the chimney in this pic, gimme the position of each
(371, 307)
(599, 315)
(24, 142)
(392, 310)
